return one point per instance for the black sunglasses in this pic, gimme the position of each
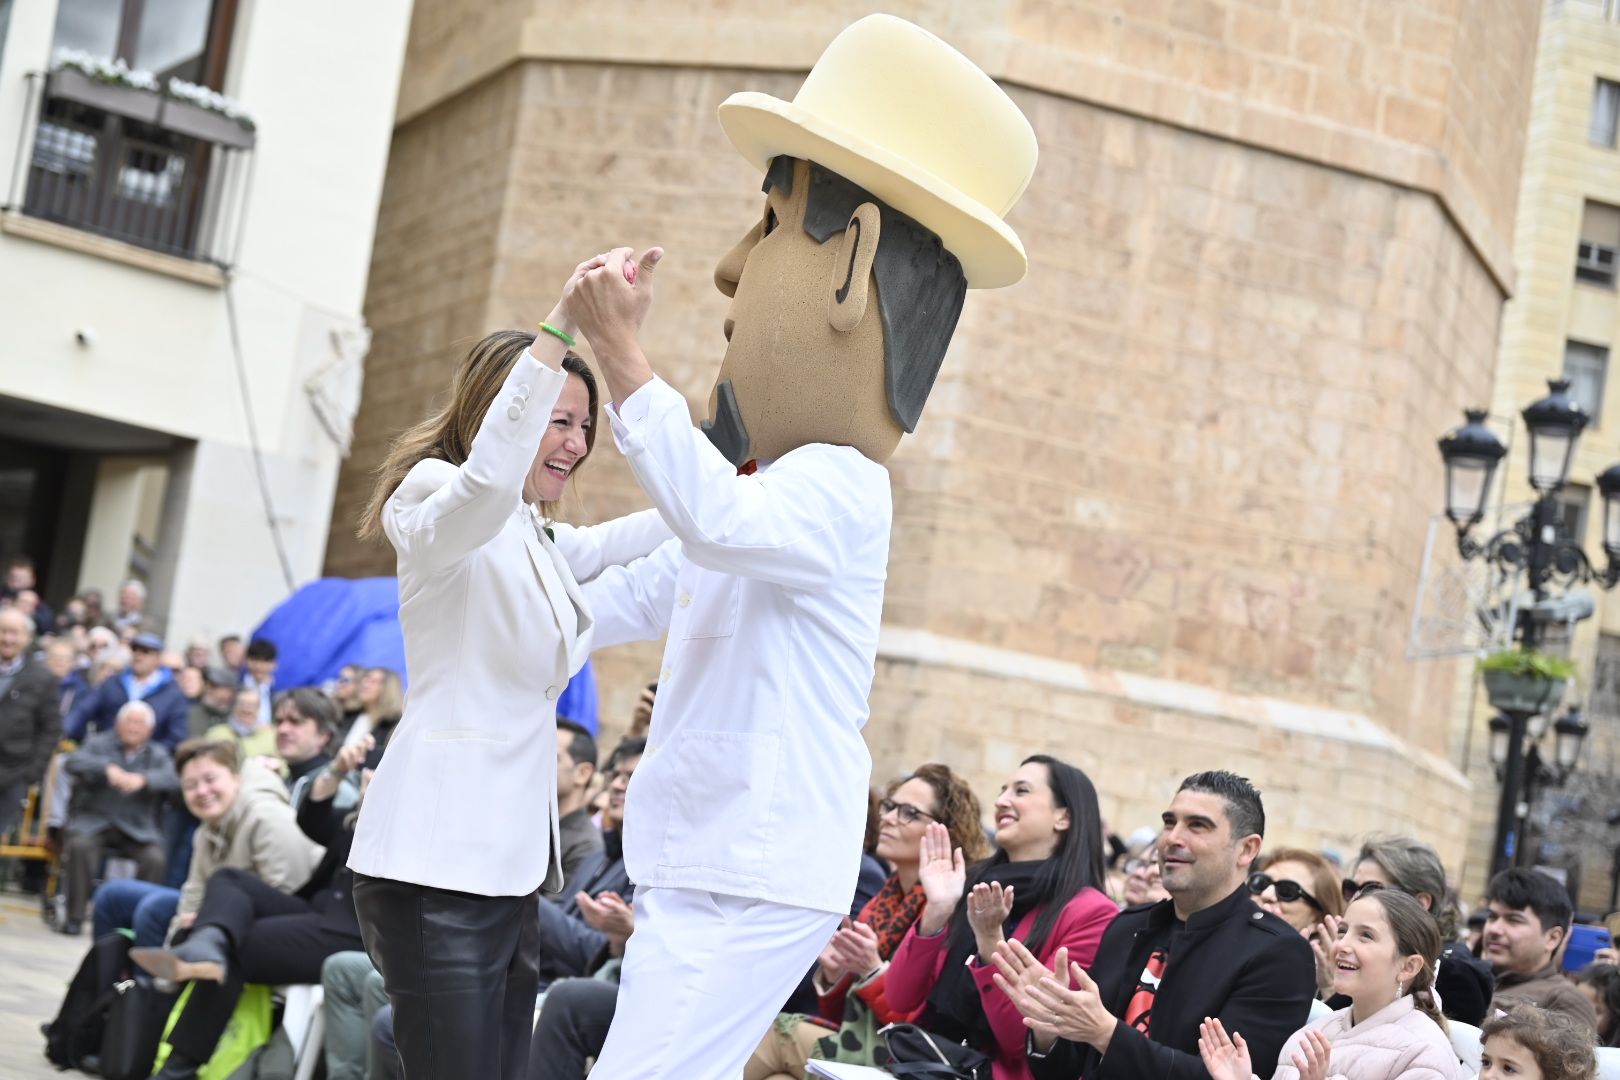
(1354, 888)
(1287, 891)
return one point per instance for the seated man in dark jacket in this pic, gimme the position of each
(1208, 951)
(120, 778)
(146, 679)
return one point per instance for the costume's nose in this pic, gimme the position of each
(728, 271)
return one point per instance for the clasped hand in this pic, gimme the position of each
(1057, 1002)
(609, 914)
(853, 950)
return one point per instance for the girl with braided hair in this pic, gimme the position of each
(1384, 961)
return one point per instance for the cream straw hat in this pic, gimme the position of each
(894, 109)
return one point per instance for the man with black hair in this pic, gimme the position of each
(576, 765)
(260, 660)
(1528, 920)
(1207, 951)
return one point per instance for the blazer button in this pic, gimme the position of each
(551, 693)
(513, 412)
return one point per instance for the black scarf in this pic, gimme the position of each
(954, 1007)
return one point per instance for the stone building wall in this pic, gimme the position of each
(1166, 506)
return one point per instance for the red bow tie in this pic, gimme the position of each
(749, 467)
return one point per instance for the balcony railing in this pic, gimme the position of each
(135, 166)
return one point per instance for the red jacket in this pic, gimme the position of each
(916, 966)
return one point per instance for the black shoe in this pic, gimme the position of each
(72, 929)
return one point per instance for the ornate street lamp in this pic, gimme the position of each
(1570, 733)
(1608, 483)
(1555, 424)
(1471, 453)
(1501, 731)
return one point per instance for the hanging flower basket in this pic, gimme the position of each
(1521, 693)
(1527, 682)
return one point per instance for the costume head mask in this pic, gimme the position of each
(886, 181)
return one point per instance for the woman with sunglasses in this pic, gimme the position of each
(849, 978)
(1298, 886)
(1463, 982)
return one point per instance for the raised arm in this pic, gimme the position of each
(634, 603)
(442, 511)
(591, 549)
(796, 523)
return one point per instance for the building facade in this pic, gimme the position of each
(1166, 506)
(1564, 320)
(192, 187)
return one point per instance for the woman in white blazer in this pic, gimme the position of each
(459, 829)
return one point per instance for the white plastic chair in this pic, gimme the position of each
(304, 1018)
(1465, 1041)
(1608, 1060)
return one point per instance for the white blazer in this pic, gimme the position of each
(754, 779)
(494, 623)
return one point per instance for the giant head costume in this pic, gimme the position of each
(887, 179)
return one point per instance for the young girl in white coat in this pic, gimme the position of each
(1384, 961)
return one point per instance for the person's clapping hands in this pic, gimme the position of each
(943, 876)
(350, 757)
(853, 950)
(1225, 1057)
(989, 907)
(609, 914)
(1064, 1002)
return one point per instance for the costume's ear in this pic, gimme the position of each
(849, 290)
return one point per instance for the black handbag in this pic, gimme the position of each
(76, 1032)
(134, 1027)
(915, 1054)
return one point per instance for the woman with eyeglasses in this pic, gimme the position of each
(1463, 982)
(1390, 1028)
(850, 976)
(1043, 888)
(1298, 886)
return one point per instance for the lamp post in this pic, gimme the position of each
(1537, 772)
(1538, 547)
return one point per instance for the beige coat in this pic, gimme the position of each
(259, 833)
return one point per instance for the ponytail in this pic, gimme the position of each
(1416, 934)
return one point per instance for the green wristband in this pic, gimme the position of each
(552, 330)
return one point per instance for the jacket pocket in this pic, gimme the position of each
(706, 604)
(722, 812)
(466, 735)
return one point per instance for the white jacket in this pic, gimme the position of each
(1396, 1041)
(755, 776)
(466, 795)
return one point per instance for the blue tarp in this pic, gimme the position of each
(337, 621)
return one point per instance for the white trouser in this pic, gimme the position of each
(704, 976)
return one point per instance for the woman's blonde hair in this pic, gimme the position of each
(447, 433)
(390, 699)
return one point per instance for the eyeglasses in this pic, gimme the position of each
(1287, 891)
(1354, 888)
(907, 813)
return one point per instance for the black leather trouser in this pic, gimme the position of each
(461, 971)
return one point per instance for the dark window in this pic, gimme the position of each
(1595, 255)
(1587, 369)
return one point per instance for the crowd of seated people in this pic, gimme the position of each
(1016, 930)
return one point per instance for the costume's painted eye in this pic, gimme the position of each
(770, 221)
